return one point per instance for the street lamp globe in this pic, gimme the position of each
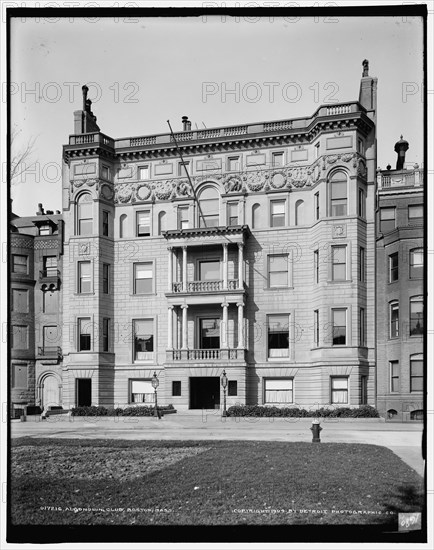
(155, 382)
(224, 380)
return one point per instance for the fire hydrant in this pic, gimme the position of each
(316, 428)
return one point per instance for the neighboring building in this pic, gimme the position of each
(35, 305)
(400, 289)
(266, 268)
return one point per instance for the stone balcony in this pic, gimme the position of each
(207, 355)
(49, 278)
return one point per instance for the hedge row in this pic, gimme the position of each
(118, 411)
(365, 411)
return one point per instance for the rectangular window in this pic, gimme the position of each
(362, 327)
(393, 267)
(394, 320)
(338, 202)
(50, 301)
(183, 221)
(234, 164)
(20, 263)
(415, 213)
(232, 388)
(360, 146)
(105, 173)
(387, 219)
(416, 316)
(183, 168)
(278, 336)
(277, 160)
(45, 230)
(339, 390)
(278, 390)
(50, 266)
(84, 278)
(144, 172)
(339, 322)
(85, 215)
(84, 334)
(416, 374)
(416, 263)
(144, 223)
(232, 213)
(20, 300)
(394, 376)
(316, 327)
(142, 391)
(339, 263)
(176, 388)
(143, 278)
(19, 376)
(143, 339)
(316, 197)
(316, 265)
(361, 264)
(209, 333)
(362, 203)
(105, 223)
(277, 213)
(105, 278)
(209, 270)
(105, 333)
(317, 150)
(278, 270)
(20, 337)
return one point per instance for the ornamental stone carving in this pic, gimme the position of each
(339, 230)
(182, 188)
(143, 191)
(361, 169)
(106, 192)
(163, 189)
(278, 179)
(255, 181)
(123, 193)
(233, 185)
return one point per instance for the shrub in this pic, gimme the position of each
(118, 411)
(365, 411)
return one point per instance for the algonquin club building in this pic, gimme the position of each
(247, 248)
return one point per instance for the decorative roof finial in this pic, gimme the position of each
(365, 64)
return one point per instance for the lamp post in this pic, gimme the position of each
(224, 382)
(155, 383)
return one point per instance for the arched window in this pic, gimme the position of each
(338, 194)
(416, 263)
(416, 316)
(209, 207)
(122, 226)
(161, 222)
(394, 319)
(299, 211)
(84, 214)
(255, 216)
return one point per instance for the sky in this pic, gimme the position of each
(217, 71)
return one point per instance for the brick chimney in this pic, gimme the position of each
(401, 147)
(368, 89)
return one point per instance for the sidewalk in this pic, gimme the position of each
(402, 438)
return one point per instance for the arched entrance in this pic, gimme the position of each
(50, 391)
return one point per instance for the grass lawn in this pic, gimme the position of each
(208, 483)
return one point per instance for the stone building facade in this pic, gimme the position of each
(400, 289)
(249, 249)
(36, 248)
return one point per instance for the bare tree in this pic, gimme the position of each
(21, 156)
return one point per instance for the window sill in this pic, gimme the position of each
(143, 294)
(340, 281)
(278, 288)
(84, 293)
(277, 359)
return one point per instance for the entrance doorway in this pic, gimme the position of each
(205, 392)
(83, 388)
(50, 392)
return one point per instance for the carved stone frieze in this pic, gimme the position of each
(123, 193)
(182, 188)
(143, 191)
(278, 179)
(49, 243)
(163, 189)
(233, 184)
(255, 180)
